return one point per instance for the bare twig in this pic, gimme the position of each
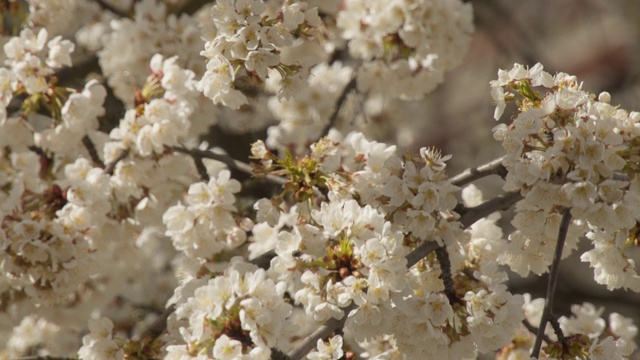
(351, 85)
(420, 252)
(229, 161)
(547, 313)
(91, 149)
(202, 170)
(493, 167)
(445, 274)
(534, 330)
(159, 324)
(112, 165)
(501, 202)
(323, 331)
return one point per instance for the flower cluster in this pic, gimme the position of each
(28, 63)
(62, 17)
(79, 118)
(413, 190)
(99, 343)
(206, 225)
(565, 149)
(407, 45)
(483, 321)
(73, 113)
(41, 257)
(238, 314)
(330, 350)
(249, 35)
(151, 31)
(348, 253)
(161, 117)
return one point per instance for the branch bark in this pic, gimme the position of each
(323, 331)
(351, 85)
(227, 160)
(547, 313)
(493, 167)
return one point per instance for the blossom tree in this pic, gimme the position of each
(130, 230)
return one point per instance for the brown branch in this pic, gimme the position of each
(202, 170)
(534, 330)
(547, 312)
(159, 324)
(322, 332)
(351, 85)
(112, 165)
(493, 167)
(420, 252)
(91, 149)
(264, 261)
(445, 274)
(501, 202)
(227, 160)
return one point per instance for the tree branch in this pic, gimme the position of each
(501, 202)
(227, 160)
(91, 149)
(112, 165)
(420, 253)
(534, 330)
(351, 85)
(323, 331)
(493, 167)
(547, 313)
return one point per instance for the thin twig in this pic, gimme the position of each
(547, 313)
(202, 170)
(351, 85)
(501, 202)
(159, 325)
(420, 252)
(106, 6)
(555, 324)
(112, 165)
(229, 161)
(493, 167)
(445, 274)
(534, 330)
(323, 331)
(91, 149)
